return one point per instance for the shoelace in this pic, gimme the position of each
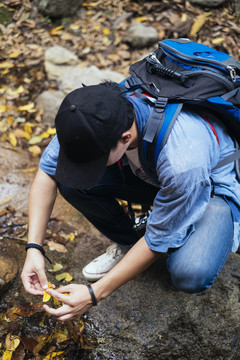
(113, 250)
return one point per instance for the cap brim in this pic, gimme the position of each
(82, 175)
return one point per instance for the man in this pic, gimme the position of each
(195, 216)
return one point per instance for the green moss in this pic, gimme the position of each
(5, 16)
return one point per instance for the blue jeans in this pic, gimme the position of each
(195, 265)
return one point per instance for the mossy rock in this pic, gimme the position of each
(6, 16)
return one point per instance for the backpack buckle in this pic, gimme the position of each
(161, 104)
(132, 81)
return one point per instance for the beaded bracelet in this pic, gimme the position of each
(94, 300)
(38, 247)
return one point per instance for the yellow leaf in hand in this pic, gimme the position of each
(56, 302)
(46, 296)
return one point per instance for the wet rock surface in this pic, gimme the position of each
(149, 319)
(8, 271)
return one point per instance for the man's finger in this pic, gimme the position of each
(58, 295)
(43, 279)
(29, 287)
(65, 289)
(62, 311)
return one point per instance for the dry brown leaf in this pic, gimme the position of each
(58, 247)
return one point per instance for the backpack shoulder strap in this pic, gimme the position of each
(156, 133)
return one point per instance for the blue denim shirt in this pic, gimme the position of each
(184, 168)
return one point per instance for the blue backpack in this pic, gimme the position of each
(184, 73)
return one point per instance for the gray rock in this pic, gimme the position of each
(139, 35)
(59, 55)
(149, 319)
(54, 72)
(58, 8)
(63, 66)
(49, 102)
(208, 3)
(58, 61)
(8, 271)
(74, 78)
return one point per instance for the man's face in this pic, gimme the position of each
(117, 152)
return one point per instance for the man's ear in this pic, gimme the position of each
(126, 137)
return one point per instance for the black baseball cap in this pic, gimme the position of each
(89, 123)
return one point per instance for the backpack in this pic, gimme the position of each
(184, 73)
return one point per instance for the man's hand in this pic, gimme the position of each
(75, 303)
(33, 274)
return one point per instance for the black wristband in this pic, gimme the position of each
(94, 300)
(38, 247)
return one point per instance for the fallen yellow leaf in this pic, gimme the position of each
(198, 23)
(10, 120)
(184, 17)
(68, 277)
(11, 343)
(12, 139)
(51, 131)
(56, 30)
(53, 354)
(61, 336)
(34, 150)
(106, 31)
(14, 54)
(218, 40)
(56, 267)
(72, 236)
(28, 128)
(29, 170)
(74, 27)
(29, 108)
(36, 139)
(5, 64)
(141, 19)
(11, 148)
(2, 108)
(7, 355)
(64, 276)
(19, 133)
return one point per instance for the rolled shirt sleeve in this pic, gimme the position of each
(48, 161)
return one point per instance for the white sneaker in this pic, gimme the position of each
(100, 266)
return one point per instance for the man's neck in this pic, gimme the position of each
(134, 131)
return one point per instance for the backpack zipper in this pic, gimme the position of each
(209, 71)
(189, 59)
